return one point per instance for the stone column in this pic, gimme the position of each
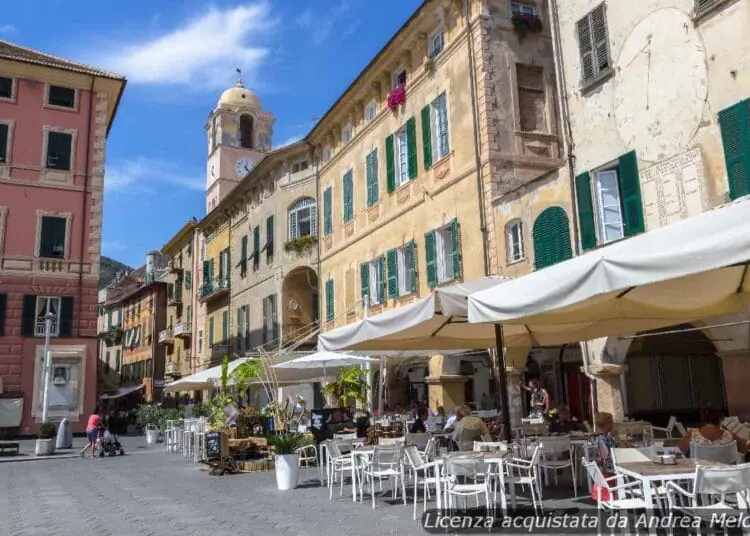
(515, 395)
(445, 385)
(608, 388)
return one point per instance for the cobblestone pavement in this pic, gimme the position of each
(150, 492)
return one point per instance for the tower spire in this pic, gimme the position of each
(239, 77)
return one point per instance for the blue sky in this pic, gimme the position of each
(178, 56)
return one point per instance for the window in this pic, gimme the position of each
(401, 273)
(64, 97)
(551, 236)
(329, 301)
(371, 111)
(373, 284)
(348, 197)
(371, 164)
(399, 77)
(256, 248)
(593, 44)
(443, 254)
(531, 98)
(303, 218)
(270, 322)
(327, 153)
(299, 166)
(347, 133)
(200, 342)
(243, 257)
(61, 374)
(211, 332)
(609, 203)
(704, 6)
(224, 266)
(224, 327)
(514, 241)
(4, 138)
(243, 328)
(269, 240)
(328, 211)
(246, 131)
(517, 8)
(3, 304)
(6, 88)
(52, 238)
(59, 150)
(46, 305)
(736, 140)
(436, 44)
(402, 157)
(440, 122)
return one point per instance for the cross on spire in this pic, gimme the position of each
(239, 77)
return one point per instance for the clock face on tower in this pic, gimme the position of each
(243, 167)
(661, 85)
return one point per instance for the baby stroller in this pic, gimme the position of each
(109, 445)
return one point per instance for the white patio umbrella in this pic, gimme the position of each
(205, 379)
(690, 270)
(324, 360)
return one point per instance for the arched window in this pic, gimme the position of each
(214, 134)
(303, 218)
(514, 240)
(246, 131)
(551, 238)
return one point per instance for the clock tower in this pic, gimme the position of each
(239, 137)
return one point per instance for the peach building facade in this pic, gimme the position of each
(55, 116)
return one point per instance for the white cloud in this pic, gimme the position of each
(322, 26)
(113, 246)
(7, 29)
(203, 51)
(144, 175)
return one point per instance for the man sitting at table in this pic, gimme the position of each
(469, 429)
(564, 424)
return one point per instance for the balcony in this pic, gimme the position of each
(174, 266)
(174, 298)
(214, 289)
(172, 369)
(182, 329)
(216, 354)
(40, 328)
(111, 335)
(165, 336)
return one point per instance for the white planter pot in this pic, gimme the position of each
(44, 447)
(287, 471)
(152, 436)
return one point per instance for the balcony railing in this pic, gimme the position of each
(172, 369)
(182, 329)
(214, 289)
(165, 336)
(39, 328)
(174, 266)
(174, 298)
(216, 353)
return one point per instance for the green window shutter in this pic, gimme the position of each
(411, 146)
(256, 247)
(412, 275)
(243, 257)
(327, 211)
(269, 239)
(210, 331)
(109, 319)
(364, 275)
(456, 249)
(390, 165)
(3, 304)
(392, 273)
(224, 326)
(66, 316)
(735, 135)
(382, 281)
(373, 194)
(585, 211)
(431, 259)
(274, 318)
(189, 314)
(551, 236)
(118, 357)
(348, 197)
(329, 300)
(206, 272)
(188, 279)
(426, 137)
(630, 193)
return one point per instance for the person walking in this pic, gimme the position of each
(92, 432)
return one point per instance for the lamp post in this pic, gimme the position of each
(48, 318)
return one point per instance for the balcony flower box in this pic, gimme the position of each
(300, 244)
(397, 97)
(524, 23)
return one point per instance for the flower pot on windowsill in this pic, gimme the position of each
(300, 244)
(524, 24)
(397, 97)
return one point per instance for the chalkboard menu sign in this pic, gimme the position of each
(213, 446)
(328, 421)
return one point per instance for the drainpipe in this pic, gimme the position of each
(562, 101)
(477, 151)
(228, 275)
(319, 212)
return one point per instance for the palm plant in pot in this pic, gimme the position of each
(45, 444)
(350, 386)
(286, 458)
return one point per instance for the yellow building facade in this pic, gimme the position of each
(213, 289)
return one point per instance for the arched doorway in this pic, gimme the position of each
(674, 373)
(299, 306)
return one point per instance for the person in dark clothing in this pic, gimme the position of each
(418, 426)
(563, 424)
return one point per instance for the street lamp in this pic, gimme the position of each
(48, 319)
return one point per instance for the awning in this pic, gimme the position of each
(691, 270)
(122, 391)
(435, 323)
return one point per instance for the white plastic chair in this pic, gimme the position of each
(723, 490)
(391, 441)
(345, 437)
(666, 430)
(486, 446)
(466, 476)
(337, 463)
(307, 454)
(604, 484)
(725, 453)
(420, 440)
(642, 454)
(386, 463)
(431, 475)
(524, 472)
(558, 454)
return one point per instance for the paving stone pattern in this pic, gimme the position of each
(148, 492)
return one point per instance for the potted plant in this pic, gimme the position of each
(351, 385)
(45, 444)
(149, 417)
(524, 23)
(397, 97)
(286, 458)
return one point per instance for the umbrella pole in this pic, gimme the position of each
(503, 377)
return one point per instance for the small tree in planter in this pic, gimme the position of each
(45, 444)
(352, 384)
(150, 418)
(286, 458)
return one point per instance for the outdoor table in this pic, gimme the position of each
(491, 458)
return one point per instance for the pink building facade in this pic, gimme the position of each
(55, 116)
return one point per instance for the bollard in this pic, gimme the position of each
(64, 435)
